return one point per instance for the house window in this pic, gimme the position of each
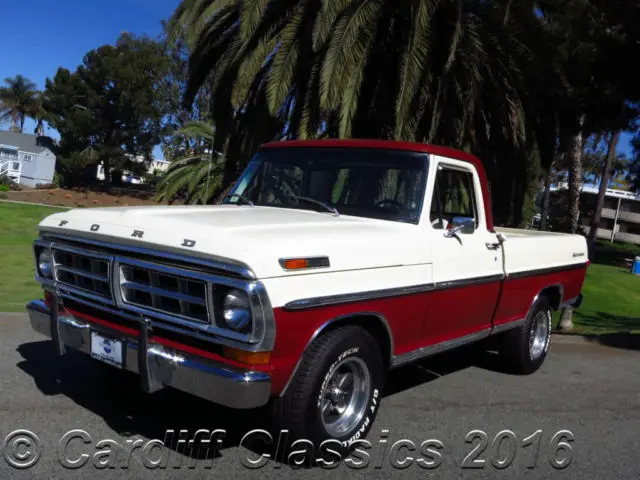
(15, 166)
(8, 153)
(26, 158)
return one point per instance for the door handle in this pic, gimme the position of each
(492, 245)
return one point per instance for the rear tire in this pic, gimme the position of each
(336, 391)
(525, 348)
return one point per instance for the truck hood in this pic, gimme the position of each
(256, 237)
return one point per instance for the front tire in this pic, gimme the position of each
(336, 391)
(525, 348)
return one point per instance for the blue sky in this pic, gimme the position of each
(38, 36)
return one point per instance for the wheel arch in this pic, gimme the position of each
(554, 293)
(373, 322)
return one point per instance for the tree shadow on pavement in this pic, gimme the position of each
(443, 364)
(627, 341)
(116, 396)
(619, 329)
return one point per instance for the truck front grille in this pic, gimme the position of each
(86, 272)
(159, 289)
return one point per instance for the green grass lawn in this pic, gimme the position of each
(18, 228)
(611, 301)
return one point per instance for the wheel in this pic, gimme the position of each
(526, 347)
(336, 391)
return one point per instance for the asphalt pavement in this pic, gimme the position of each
(454, 416)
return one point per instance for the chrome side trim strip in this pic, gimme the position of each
(412, 356)
(223, 265)
(321, 329)
(546, 271)
(357, 297)
(386, 293)
(503, 327)
(466, 282)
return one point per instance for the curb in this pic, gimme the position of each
(570, 338)
(36, 204)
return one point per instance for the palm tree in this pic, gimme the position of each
(426, 70)
(18, 100)
(198, 173)
(454, 72)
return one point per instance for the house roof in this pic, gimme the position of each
(25, 142)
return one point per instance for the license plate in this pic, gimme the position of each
(106, 349)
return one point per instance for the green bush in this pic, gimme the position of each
(4, 188)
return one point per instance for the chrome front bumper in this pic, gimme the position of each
(157, 365)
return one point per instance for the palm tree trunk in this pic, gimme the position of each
(606, 176)
(576, 151)
(546, 199)
(14, 122)
(566, 320)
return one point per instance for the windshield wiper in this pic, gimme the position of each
(333, 210)
(242, 197)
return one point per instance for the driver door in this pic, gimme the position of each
(467, 272)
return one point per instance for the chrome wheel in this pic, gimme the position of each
(344, 398)
(539, 334)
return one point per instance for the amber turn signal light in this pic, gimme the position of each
(302, 263)
(250, 358)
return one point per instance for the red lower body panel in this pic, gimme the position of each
(421, 319)
(519, 293)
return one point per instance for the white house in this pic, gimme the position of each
(27, 159)
(156, 166)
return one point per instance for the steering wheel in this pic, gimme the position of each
(391, 201)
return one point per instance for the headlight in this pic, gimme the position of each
(236, 310)
(44, 264)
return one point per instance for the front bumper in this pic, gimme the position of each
(157, 365)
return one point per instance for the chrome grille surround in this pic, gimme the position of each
(154, 286)
(80, 270)
(165, 280)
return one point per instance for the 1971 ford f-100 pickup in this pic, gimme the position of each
(329, 263)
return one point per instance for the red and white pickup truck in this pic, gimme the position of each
(330, 263)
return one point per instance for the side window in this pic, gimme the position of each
(454, 200)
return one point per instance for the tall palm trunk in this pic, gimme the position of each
(576, 151)
(14, 122)
(546, 199)
(606, 176)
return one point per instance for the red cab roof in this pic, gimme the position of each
(407, 146)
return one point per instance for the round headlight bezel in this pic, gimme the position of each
(44, 264)
(236, 311)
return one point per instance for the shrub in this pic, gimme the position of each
(4, 188)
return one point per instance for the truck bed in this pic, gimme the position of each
(527, 250)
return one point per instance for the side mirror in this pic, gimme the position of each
(466, 224)
(460, 225)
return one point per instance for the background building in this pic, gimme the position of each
(620, 217)
(27, 159)
(155, 167)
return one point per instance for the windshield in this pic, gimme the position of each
(373, 183)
